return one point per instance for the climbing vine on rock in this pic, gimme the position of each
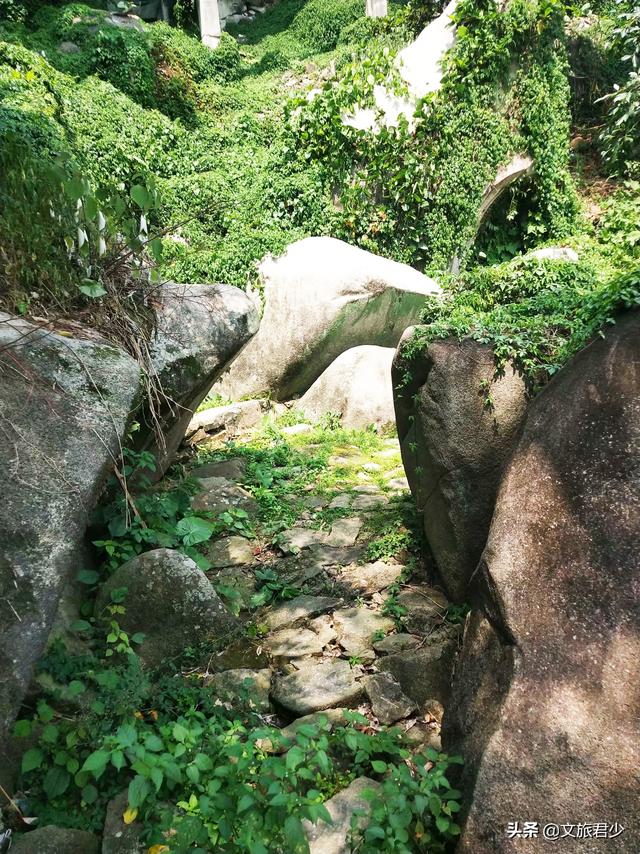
(411, 189)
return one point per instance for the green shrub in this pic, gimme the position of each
(123, 58)
(319, 23)
(12, 10)
(620, 139)
(195, 60)
(535, 314)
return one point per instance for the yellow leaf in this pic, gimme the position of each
(129, 815)
(157, 849)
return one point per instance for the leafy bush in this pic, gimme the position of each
(193, 59)
(535, 314)
(319, 23)
(122, 58)
(412, 192)
(620, 139)
(12, 10)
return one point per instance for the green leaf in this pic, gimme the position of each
(138, 790)
(140, 196)
(245, 803)
(442, 823)
(96, 762)
(378, 766)
(294, 757)
(203, 762)
(89, 794)
(22, 728)
(138, 637)
(92, 289)
(193, 530)
(56, 782)
(75, 688)
(32, 759)
(88, 576)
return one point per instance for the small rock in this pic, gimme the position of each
(426, 673)
(299, 608)
(371, 577)
(326, 720)
(56, 840)
(297, 429)
(333, 838)
(388, 701)
(425, 605)
(219, 494)
(323, 627)
(356, 627)
(326, 555)
(231, 418)
(169, 600)
(234, 684)
(241, 654)
(369, 502)
(399, 484)
(555, 253)
(317, 687)
(230, 551)
(68, 47)
(396, 643)
(367, 489)
(242, 582)
(314, 502)
(234, 469)
(298, 538)
(344, 532)
(118, 837)
(294, 643)
(422, 736)
(371, 467)
(340, 502)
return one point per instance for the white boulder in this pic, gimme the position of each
(356, 386)
(321, 298)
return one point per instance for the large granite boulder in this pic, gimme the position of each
(64, 412)
(357, 387)
(198, 330)
(454, 446)
(322, 297)
(547, 695)
(169, 600)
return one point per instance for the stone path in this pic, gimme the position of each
(363, 631)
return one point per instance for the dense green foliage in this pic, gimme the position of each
(413, 191)
(621, 137)
(201, 773)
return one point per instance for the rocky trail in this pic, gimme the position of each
(340, 614)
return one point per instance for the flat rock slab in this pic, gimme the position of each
(323, 627)
(298, 609)
(219, 494)
(295, 539)
(369, 502)
(340, 502)
(396, 643)
(326, 720)
(317, 687)
(234, 469)
(230, 551)
(294, 643)
(371, 577)
(344, 532)
(325, 838)
(297, 429)
(424, 674)
(356, 627)
(335, 555)
(388, 700)
(243, 654)
(231, 418)
(231, 685)
(117, 837)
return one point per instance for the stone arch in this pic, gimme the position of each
(520, 166)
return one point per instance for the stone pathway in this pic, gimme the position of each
(363, 631)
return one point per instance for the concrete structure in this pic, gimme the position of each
(209, 22)
(377, 8)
